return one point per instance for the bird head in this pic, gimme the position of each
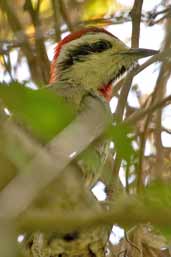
(93, 58)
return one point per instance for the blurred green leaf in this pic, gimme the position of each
(121, 136)
(158, 197)
(42, 112)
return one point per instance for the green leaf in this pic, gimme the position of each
(157, 198)
(123, 142)
(42, 112)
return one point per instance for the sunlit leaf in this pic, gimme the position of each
(99, 8)
(40, 111)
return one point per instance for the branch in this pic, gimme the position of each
(135, 209)
(131, 120)
(41, 54)
(162, 56)
(147, 18)
(49, 162)
(160, 91)
(65, 15)
(19, 33)
(56, 16)
(136, 19)
(136, 11)
(127, 82)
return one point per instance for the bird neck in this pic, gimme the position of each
(106, 91)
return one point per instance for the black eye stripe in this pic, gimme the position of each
(101, 46)
(96, 47)
(81, 51)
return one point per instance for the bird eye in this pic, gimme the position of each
(101, 46)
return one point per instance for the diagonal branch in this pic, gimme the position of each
(49, 162)
(142, 112)
(131, 206)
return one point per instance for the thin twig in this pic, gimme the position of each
(132, 119)
(131, 243)
(160, 57)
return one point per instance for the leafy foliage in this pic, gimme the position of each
(157, 197)
(25, 32)
(122, 137)
(42, 112)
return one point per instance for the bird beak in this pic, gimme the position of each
(140, 52)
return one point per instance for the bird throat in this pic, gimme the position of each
(106, 91)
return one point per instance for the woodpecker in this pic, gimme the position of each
(85, 62)
(89, 61)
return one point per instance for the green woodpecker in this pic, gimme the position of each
(85, 62)
(91, 59)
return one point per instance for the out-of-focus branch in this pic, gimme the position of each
(57, 16)
(164, 74)
(136, 211)
(65, 15)
(162, 56)
(140, 114)
(157, 96)
(7, 64)
(136, 18)
(136, 11)
(147, 18)
(49, 162)
(18, 30)
(166, 130)
(42, 59)
(152, 15)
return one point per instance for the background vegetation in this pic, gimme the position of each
(141, 203)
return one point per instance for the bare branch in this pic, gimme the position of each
(65, 14)
(57, 16)
(136, 19)
(141, 113)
